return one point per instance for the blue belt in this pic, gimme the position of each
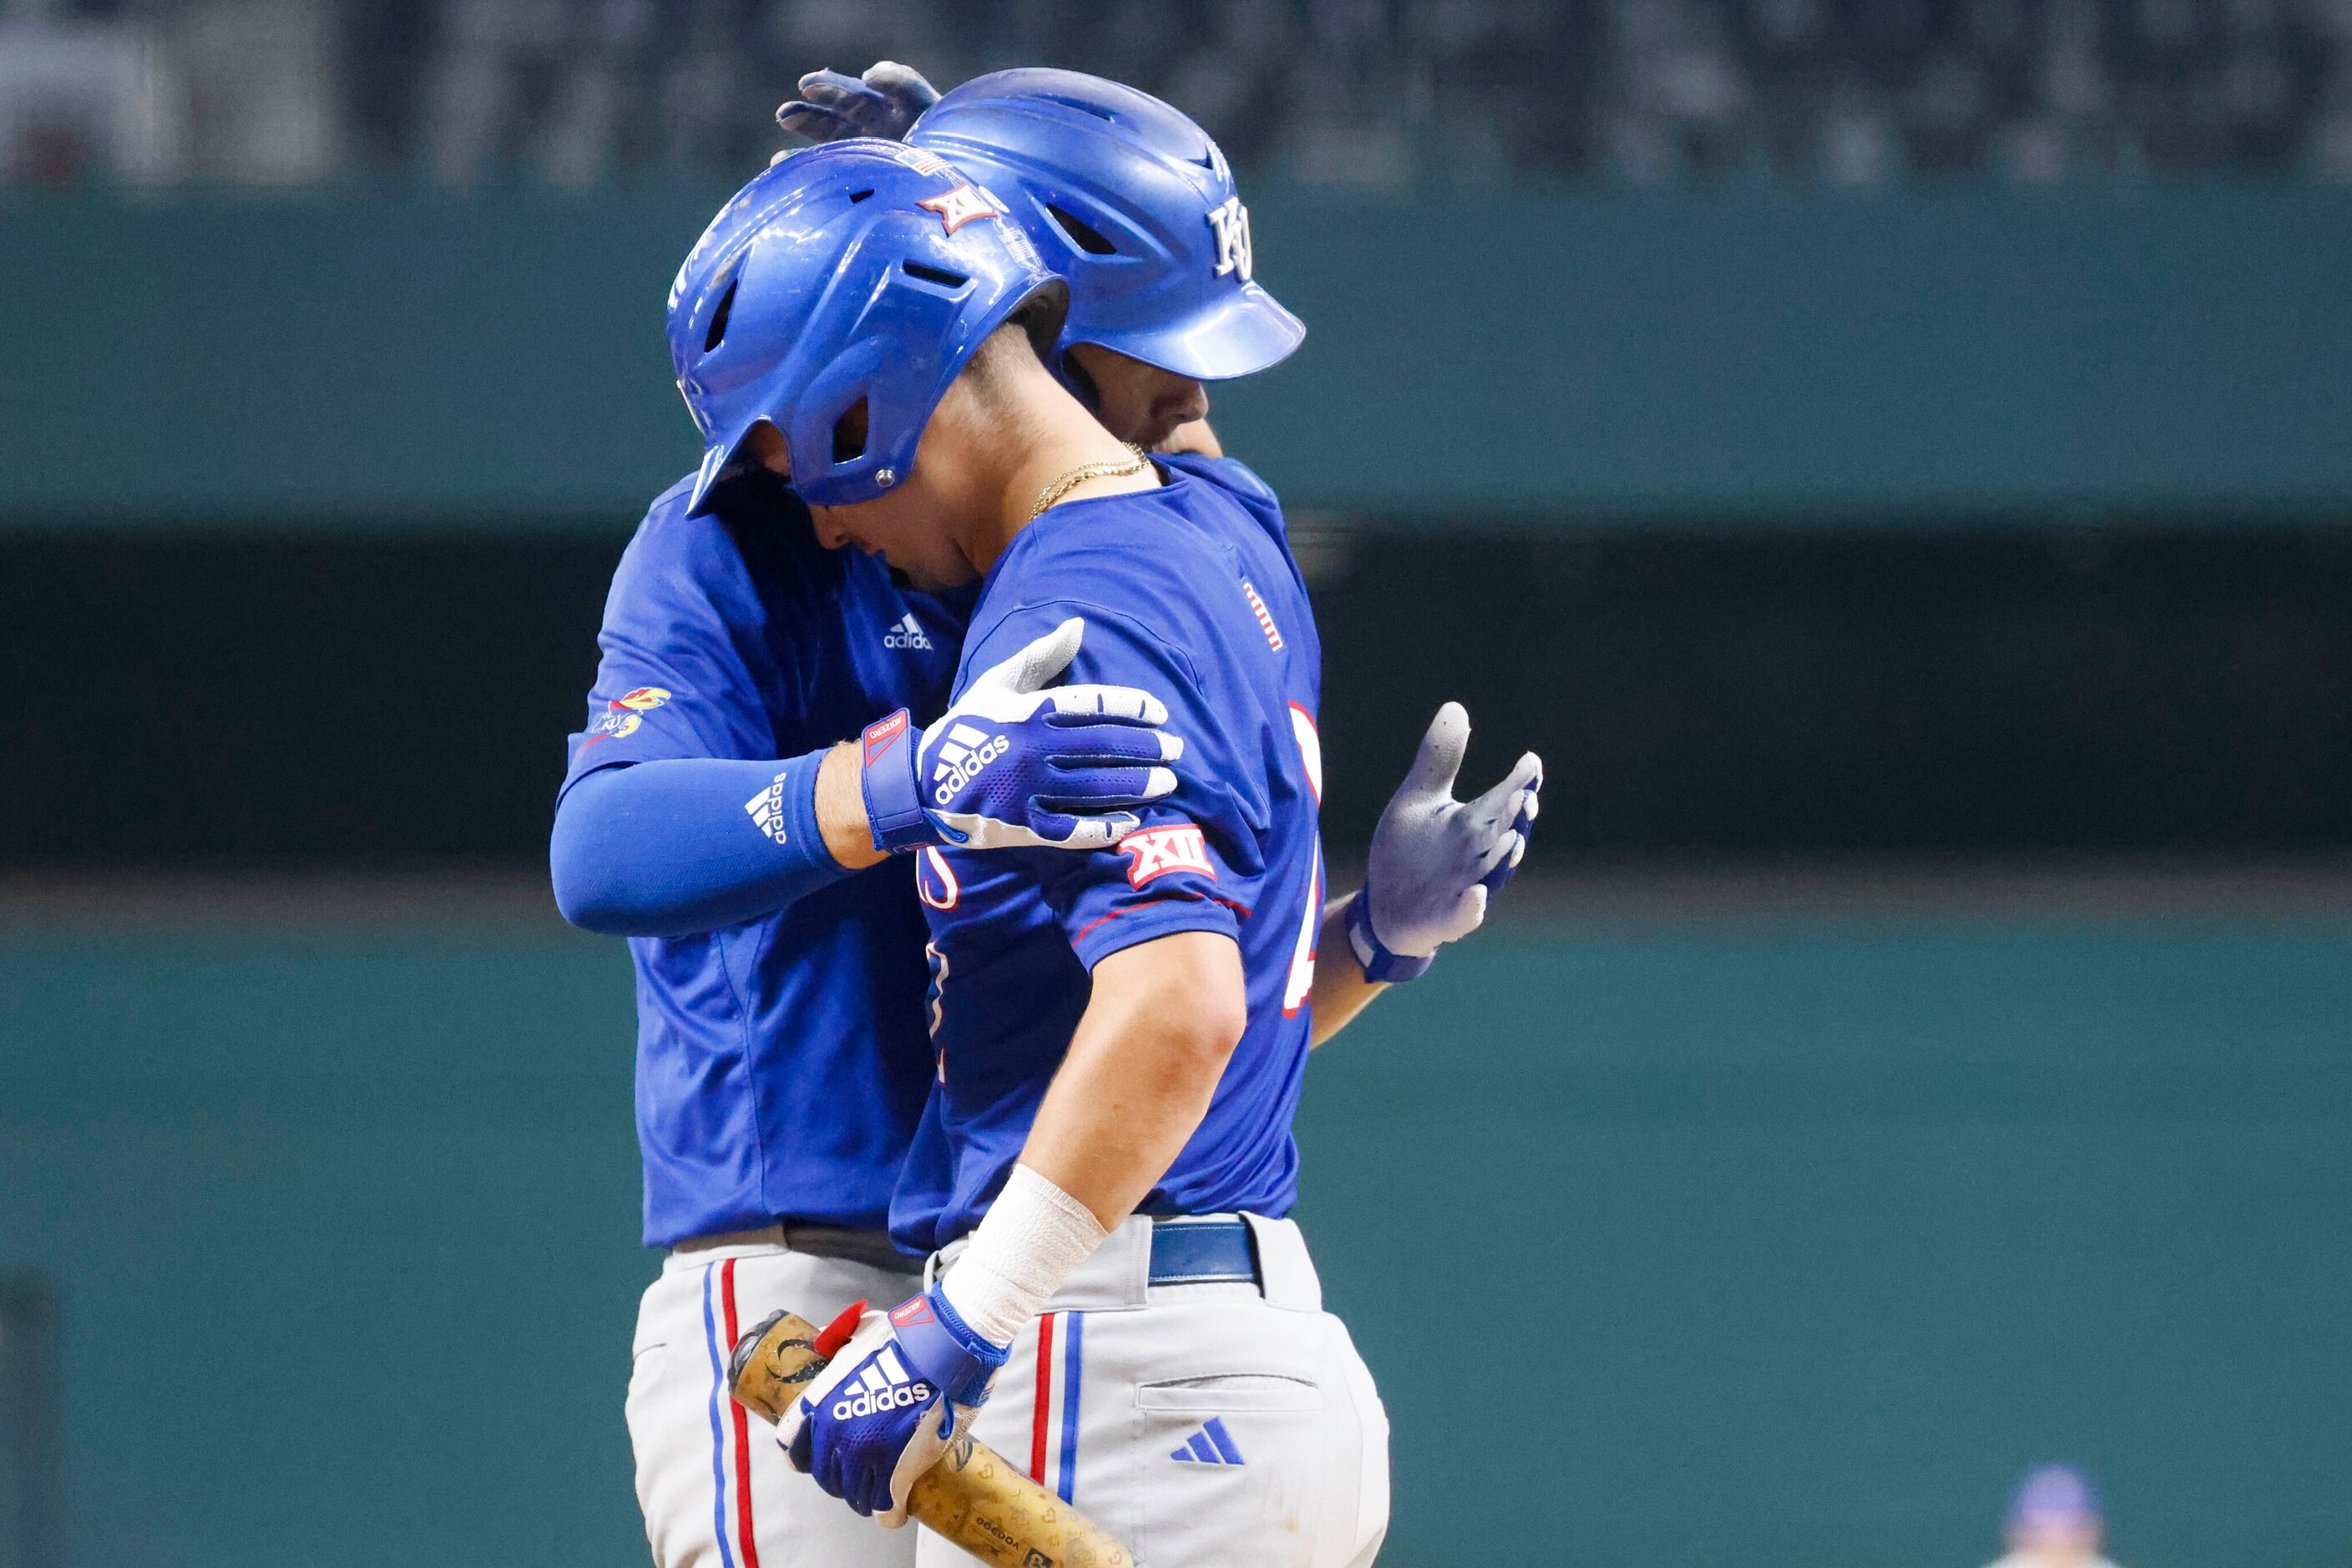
(1203, 1252)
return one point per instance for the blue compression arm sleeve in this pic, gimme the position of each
(671, 848)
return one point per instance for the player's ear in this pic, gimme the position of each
(768, 449)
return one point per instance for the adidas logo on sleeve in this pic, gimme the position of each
(767, 810)
(905, 633)
(883, 1385)
(1212, 1445)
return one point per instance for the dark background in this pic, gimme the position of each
(398, 700)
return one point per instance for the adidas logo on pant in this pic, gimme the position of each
(883, 1386)
(1212, 1445)
(905, 633)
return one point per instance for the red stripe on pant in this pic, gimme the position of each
(746, 1546)
(1045, 1397)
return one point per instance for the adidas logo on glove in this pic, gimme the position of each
(883, 1386)
(961, 756)
(905, 633)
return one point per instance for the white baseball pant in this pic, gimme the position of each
(716, 1490)
(1205, 1426)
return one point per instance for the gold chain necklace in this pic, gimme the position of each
(1135, 463)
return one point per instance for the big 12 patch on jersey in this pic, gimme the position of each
(1154, 852)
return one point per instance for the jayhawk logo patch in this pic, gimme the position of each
(624, 713)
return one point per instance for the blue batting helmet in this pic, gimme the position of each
(1131, 201)
(861, 272)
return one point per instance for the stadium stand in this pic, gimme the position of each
(1379, 94)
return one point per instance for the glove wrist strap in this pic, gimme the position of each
(885, 779)
(1379, 965)
(942, 1347)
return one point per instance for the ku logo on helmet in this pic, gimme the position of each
(1232, 223)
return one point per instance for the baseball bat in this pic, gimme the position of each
(975, 1497)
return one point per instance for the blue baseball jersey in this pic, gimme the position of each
(782, 1063)
(1189, 591)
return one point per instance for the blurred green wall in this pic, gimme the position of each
(499, 359)
(1806, 1237)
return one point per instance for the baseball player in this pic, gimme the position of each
(709, 815)
(781, 1056)
(1120, 1035)
(1132, 203)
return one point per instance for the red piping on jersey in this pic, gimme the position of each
(744, 1541)
(1241, 910)
(1044, 1395)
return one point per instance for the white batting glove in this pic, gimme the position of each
(1435, 861)
(1015, 764)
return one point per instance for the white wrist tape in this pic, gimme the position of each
(1030, 1242)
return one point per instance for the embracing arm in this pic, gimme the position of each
(1341, 988)
(1435, 862)
(671, 848)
